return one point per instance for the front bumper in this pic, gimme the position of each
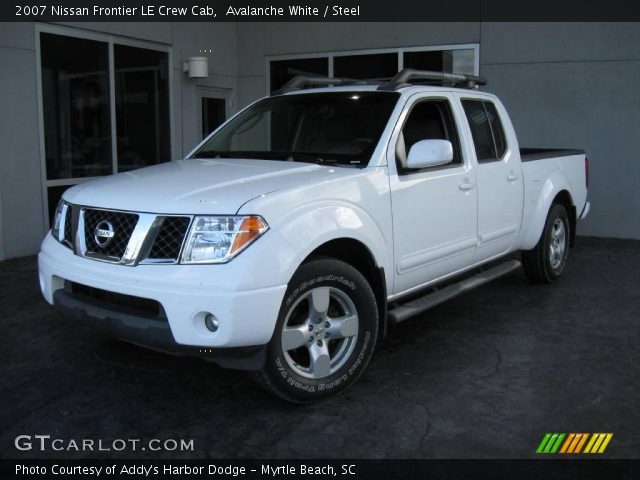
(247, 314)
(151, 333)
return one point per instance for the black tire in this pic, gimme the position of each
(292, 374)
(545, 262)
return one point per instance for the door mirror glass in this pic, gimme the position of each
(430, 153)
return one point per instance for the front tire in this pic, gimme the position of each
(546, 261)
(325, 334)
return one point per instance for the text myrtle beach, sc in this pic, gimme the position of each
(294, 10)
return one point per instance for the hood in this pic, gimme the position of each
(197, 186)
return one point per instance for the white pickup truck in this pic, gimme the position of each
(289, 239)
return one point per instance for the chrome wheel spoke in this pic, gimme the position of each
(320, 298)
(320, 360)
(343, 327)
(557, 243)
(295, 337)
(313, 328)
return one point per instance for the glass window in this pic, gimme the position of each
(77, 105)
(142, 107)
(375, 65)
(53, 196)
(487, 146)
(496, 129)
(213, 114)
(75, 101)
(281, 71)
(342, 128)
(428, 120)
(451, 61)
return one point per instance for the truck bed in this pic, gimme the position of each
(530, 154)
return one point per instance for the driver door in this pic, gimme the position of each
(434, 209)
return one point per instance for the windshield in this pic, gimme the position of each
(341, 128)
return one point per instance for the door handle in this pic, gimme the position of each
(512, 177)
(466, 186)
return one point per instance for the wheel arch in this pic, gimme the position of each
(556, 189)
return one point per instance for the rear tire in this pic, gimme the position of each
(546, 261)
(325, 334)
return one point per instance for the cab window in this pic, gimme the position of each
(486, 130)
(428, 120)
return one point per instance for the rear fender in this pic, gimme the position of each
(554, 184)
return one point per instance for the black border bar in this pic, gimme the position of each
(547, 469)
(367, 10)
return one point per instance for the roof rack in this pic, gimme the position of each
(306, 80)
(405, 75)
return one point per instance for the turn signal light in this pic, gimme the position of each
(250, 228)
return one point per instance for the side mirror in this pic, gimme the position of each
(430, 153)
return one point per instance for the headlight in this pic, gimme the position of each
(57, 221)
(217, 239)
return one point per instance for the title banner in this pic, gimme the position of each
(317, 11)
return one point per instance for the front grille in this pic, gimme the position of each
(138, 306)
(169, 240)
(123, 225)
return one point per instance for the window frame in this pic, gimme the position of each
(483, 102)
(399, 51)
(110, 40)
(457, 147)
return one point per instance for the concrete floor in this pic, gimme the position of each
(485, 375)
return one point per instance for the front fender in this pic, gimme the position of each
(554, 184)
(308, 227)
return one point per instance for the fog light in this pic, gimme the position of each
(211, 322)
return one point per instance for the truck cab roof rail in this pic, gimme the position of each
(403, 78)
(406, 75)
(300, 82)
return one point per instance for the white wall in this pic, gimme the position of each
(575, 85)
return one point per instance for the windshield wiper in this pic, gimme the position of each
(310, 158)
(211, 154)
(265, 155)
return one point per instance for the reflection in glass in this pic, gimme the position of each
(451, 61)
(142, 107)
(75, 99)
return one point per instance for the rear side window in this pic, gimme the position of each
(486, 129)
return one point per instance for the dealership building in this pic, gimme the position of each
(84, 100)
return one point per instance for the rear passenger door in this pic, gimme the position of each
(434, 209)
(499, 177)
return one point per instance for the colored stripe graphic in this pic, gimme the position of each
(550, 443)
(598, 442)
(543, 443)
(567, 443)
(581, 442)
(574, 443)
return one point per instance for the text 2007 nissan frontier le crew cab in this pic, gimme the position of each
(289, 239)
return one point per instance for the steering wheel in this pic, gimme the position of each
(362, 141)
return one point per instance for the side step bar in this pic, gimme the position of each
(430, 300)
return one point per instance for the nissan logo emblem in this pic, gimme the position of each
(103, 233)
